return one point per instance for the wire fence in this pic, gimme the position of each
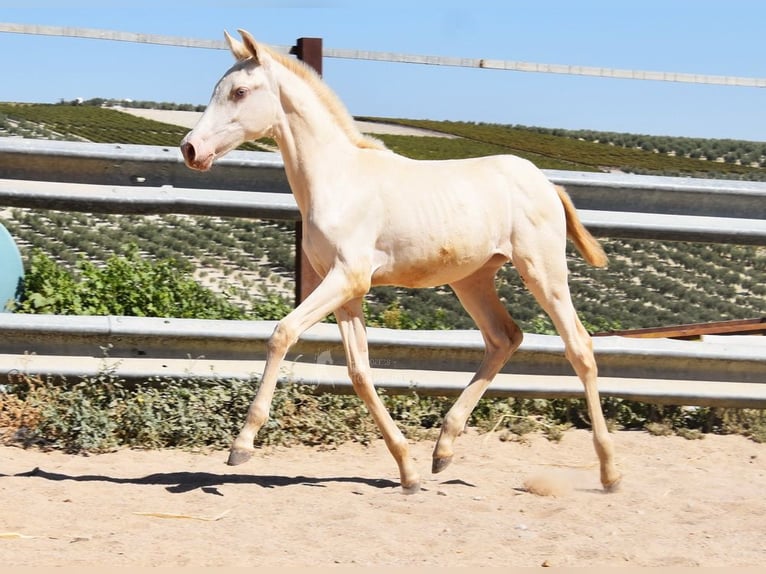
(352, 54)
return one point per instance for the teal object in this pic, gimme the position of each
(11, 270)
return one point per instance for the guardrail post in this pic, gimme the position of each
(308, 50)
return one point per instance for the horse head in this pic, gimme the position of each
(244, 106)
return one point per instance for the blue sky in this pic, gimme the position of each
(696, 36)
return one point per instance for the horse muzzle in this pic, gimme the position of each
(195, 157)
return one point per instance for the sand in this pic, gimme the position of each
(682, 502)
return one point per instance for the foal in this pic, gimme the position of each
(372, 217)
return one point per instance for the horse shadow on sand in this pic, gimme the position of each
(181, 482)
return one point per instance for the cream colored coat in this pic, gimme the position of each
(372, 217)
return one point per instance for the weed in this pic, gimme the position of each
(104, 413)
(659, 429)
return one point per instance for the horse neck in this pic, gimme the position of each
(313, 144)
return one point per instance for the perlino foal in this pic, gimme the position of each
(372, 217)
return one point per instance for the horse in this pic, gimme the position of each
(372, 217)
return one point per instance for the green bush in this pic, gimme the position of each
(98, 415)
(105, 413)
(126, 285)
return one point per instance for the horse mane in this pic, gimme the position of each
(328, 97)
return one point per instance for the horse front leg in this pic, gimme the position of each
(334, 290)
(351, 324)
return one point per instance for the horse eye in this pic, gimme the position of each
(239, 93)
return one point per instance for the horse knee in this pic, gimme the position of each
(505, 342)
(281, 339)
(515, 337)
(359, 376)
(582, 359)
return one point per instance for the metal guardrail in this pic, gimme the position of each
(152, 179)
(662, 194)
(92, 198)
(723, 371)
(136, 165)
(228, 203)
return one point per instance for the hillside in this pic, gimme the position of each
(603, 151)
(647, 283)
(87, 123)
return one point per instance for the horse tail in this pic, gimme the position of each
(585, 243)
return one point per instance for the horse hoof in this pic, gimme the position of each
(613, 486)
(440, 463)
(239, 455)
(413, 488)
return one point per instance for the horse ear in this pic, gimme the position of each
(251, 45)
(238, 49)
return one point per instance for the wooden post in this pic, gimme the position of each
(308, 50)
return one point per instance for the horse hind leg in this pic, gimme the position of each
(546, 278)
(501, 336)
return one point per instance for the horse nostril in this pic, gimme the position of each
(188, 152)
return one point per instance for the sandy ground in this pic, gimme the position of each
(190, 119)
(682, 503)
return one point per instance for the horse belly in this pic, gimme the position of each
(443, 264)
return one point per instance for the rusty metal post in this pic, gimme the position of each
(308, 50)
